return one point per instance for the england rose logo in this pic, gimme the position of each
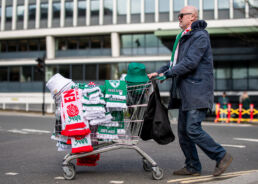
(72, 110)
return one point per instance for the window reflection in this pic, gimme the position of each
(108, 7)
(43, 10)
(149, 6)
(208, 5)
(194, 3)
(94, 9)
(14, 73)
(8, 13)
(68, 9)
(223, 4)
(239, 3)
(32, 11)
(135, 7)
(121, 7)
(56, 10)
(178, 5)
(82, 8)
(20, 12)
(26, 72)
(164, 6)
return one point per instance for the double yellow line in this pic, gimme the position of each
(210, 177)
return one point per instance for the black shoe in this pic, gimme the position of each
(184, 172)
(223, 165)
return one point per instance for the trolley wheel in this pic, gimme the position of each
(69, 171)
(157, 173)
(146, 165)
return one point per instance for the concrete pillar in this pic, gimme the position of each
(114, 11)
(128, 11)
(101, 12)
(142, 11)
(156, 10)
(216, 11)
(115, 44)
(200, 9)
(37, 24)
(3, 15)
(26, 14)
(246, 9)
(88, 13)
(231, 9)
(50, 13)
(14, 14)
(171, 10)
(62, 15)
(185, 2)
(75, 12)
(50, 46)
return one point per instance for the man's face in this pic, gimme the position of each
(185, 18)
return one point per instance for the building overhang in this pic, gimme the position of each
(212, 31)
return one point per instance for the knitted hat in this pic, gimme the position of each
(56, 83)
(136, 73)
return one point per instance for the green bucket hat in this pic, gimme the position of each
(136, 73)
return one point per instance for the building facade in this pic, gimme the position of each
(95, 40)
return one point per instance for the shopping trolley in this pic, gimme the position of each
(137, 100)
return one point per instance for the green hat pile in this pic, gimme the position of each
(136, 73)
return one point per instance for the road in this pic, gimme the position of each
(28, 155)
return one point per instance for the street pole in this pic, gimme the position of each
(44, 87)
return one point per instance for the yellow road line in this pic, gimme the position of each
(209, 176)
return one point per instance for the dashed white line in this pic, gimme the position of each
(17, 131)
(116, 182)
(11, 173)
(234, 146)
(246, 139)
(59, 178)
(35, 131)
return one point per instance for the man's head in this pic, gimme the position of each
(187, 16)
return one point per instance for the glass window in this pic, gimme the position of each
(121, 7)
(20, 13)
(135, 7)
(90, 72)
(64, 70)
(239, 72)
(68, 9)
(36, 75)
(149, 6)
(223, 4)
(77, 72)
(82, 8)
(108, 7)
(94, 9)
(95, 42)
(253, 70)
(8, 13)
(151, 40)
(3, 74)
(72, 43)
(126, 41)
(32, 11)
(56, 10)
(104, 71)
(43, 10)
(164, 6)
(208, 5)
(42, 43)
(23, 45)
(107, 42)
(194, 3)
(138, 40)
(223, 73)
(33, 45)
(14, 73)
(61, 44)
(178, 5)
(239, 3)
(26, 74)
(12, 46)
(50, 71)
(253, 3)
(83, 43)
(3, 46)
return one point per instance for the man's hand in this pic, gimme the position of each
(154, 74)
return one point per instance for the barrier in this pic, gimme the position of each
(235, 115)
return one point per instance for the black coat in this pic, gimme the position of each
(156, 123)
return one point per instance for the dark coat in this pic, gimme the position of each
(194, 69)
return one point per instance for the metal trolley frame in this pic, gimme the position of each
(137, 100)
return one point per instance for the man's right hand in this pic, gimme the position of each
(154, 74)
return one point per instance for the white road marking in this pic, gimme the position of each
(59, 178)
(17, 131)
(116, 182)
(35, 131)
(246, 139)
(11, 173)
(234, 146)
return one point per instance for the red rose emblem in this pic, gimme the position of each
(72, 110)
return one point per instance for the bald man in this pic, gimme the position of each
(191, 70)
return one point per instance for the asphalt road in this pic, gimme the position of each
(28, 155)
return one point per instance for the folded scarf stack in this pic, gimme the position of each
(115, 94)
